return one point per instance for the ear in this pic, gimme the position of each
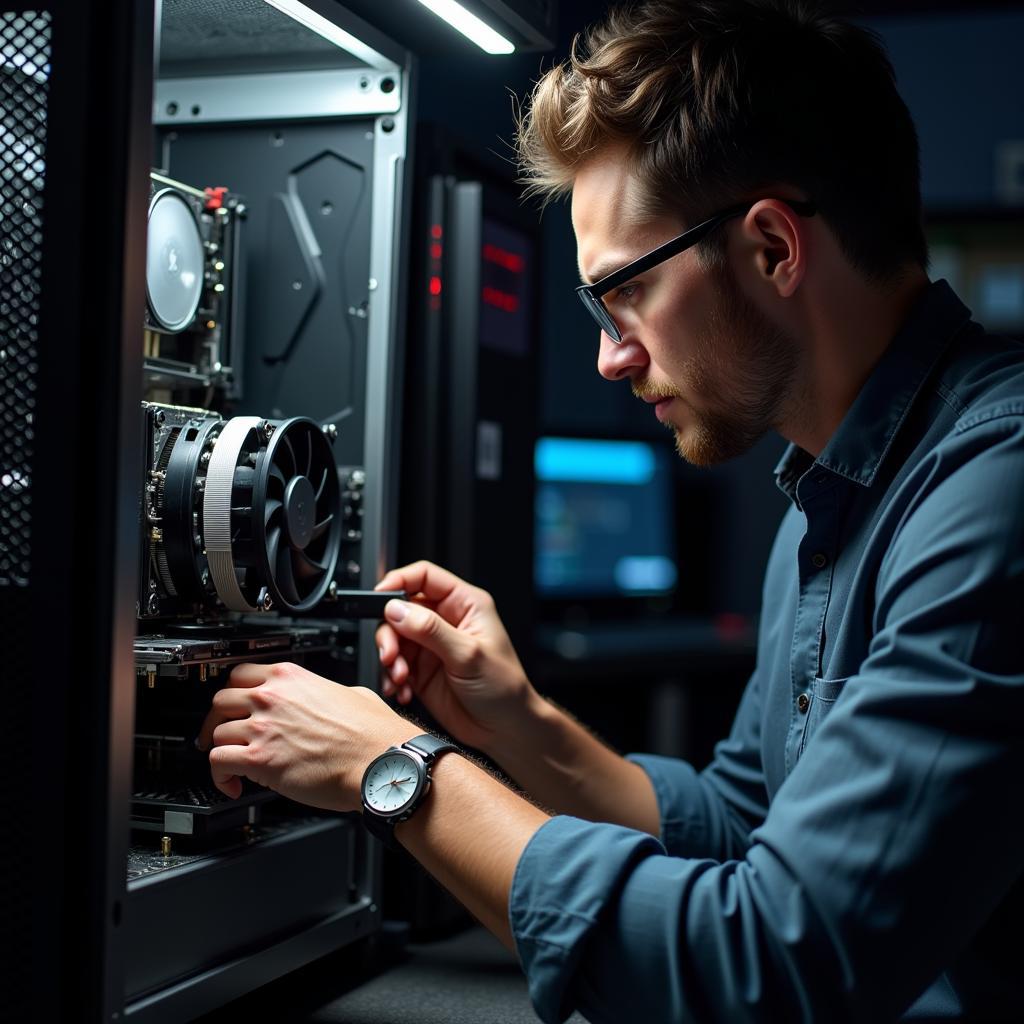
(778, 241)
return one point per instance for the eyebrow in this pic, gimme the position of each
(603, 269)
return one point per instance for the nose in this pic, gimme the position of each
(614, 362)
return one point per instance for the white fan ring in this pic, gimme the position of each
(220, 478)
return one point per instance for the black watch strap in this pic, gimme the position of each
(429, 747)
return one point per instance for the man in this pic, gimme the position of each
(856, 847)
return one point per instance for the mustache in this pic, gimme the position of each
(653, 392)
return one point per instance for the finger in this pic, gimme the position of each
(250, 674)
(387, 644)
(399, 671)
(424, 578)
(228, 703)
(428, 629)
(405, 695)
(226, 764)
(237, 732)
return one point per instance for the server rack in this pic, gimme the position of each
(92, 99)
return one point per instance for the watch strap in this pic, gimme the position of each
(429, 747)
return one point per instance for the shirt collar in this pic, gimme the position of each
(856, 450)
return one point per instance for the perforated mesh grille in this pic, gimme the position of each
(236, 36)
(24, 72)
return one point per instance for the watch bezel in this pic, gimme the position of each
(422, 785)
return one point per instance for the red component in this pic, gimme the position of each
(731, 626)
(215, 197)
(435, 250)
(499, 299)
(435, 286)
(435, 231)
(509, 260)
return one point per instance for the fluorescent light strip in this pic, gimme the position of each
(469, 25)
(326, 29)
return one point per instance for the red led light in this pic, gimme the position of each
(500, 300)
(435, 231)
(509, 260)
(435, 250)
(435, 285)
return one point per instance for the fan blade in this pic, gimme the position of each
(323, 483)
(309, 447)
(276, 474)
(273, 542)
(320, 528)
(284, 576)
(273, 506)
(306, 568)
(291, 454)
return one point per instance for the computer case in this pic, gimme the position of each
(145, 901)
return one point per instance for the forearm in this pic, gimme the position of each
(568, 769)
(469, 834)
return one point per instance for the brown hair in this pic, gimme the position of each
(718, 100)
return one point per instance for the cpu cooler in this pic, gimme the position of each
(242, 514)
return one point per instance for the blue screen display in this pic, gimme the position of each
(605, 519)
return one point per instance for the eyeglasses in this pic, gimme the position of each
(590, 294)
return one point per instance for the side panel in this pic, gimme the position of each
(73, 161)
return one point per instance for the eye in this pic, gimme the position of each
(625, 293)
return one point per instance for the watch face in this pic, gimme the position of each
(391, 782)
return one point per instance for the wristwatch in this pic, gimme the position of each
(396, 783)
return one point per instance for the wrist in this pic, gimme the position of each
(532, 726)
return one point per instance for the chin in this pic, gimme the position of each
(704, 445)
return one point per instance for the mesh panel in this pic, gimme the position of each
(24, 71)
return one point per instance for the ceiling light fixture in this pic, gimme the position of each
(469, 25)
(326, 29)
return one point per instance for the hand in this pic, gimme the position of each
(448, 647)
(298, 734)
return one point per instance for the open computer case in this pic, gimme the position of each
(203, 217)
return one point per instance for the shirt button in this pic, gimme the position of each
(803, 702)
(819, 560)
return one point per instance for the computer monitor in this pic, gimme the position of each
(606, 520)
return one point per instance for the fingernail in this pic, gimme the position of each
(380, 651)
(395, 610)
(406, 693)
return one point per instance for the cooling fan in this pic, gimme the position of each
(249, 511)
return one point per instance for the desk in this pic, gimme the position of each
(662, 685)
(468, 979)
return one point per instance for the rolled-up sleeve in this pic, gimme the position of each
(896, 836)
(712, 813)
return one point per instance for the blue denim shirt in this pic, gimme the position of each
(855, 851)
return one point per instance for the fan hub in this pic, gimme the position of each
(299, 512)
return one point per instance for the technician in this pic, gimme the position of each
(746, 203)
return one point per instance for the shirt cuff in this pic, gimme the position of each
(566, 878)
(677, 788)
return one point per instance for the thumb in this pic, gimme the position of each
(425, 627)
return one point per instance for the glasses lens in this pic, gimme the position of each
(604, 319)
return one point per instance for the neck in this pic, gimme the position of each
(847, 325)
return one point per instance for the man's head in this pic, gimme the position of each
(674, 110)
